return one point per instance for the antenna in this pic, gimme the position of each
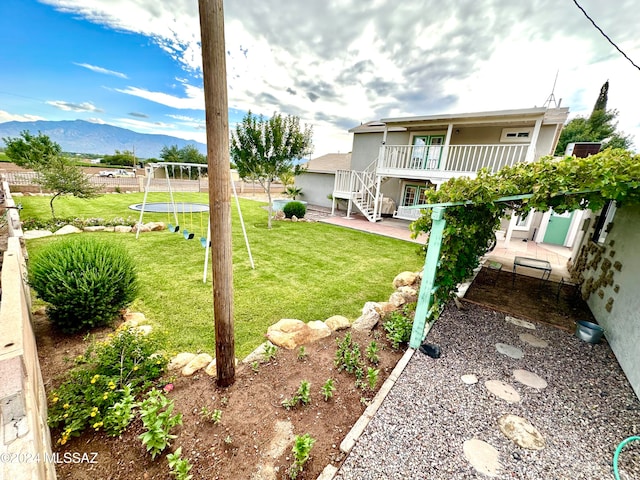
(552, 98)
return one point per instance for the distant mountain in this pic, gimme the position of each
(85, 137)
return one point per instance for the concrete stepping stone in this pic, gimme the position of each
(503, 390)
(521, 432)
(530, 379)
(509, 350)
(520, 323)
(533, 340)
(469, 379)
(482, 456)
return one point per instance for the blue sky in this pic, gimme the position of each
(136, 63)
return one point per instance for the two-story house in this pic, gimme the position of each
(395, 160)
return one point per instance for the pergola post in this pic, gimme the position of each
(427, 288)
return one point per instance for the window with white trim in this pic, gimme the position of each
(603, 225)
(516, 135)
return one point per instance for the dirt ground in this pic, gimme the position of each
(529, 298)
(254, 424)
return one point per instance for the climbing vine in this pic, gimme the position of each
(564, 184)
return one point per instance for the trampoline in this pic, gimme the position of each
(165, 207)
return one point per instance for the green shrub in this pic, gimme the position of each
(86, 282)
(398, 327)
(294, 208)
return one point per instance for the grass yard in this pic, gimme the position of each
(307, 271)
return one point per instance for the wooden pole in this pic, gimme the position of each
(214, 72)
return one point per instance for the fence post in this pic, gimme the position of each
(427, 288)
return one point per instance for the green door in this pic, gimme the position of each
(558, 228)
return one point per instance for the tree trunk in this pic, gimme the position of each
(53, 214)
(217, 121)
(270, 207)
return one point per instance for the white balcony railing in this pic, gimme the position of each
(454, 158)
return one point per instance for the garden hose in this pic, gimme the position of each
(617, 454)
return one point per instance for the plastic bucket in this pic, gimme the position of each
(589, 332)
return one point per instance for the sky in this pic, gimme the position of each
(334, 63)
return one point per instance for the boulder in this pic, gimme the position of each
(290, 333)
(366, 321)
(144, 329)
(67, 229)
(180, 360)
(199, 361)
(109, 229)
(337, 322)
(404, 278)
(279, 215)
(294, 218)
(410, 294)
(257, 355)
(386, 307)
(397, 299)
(211, 369)
(94, 228)
(521, 432)
(140, 227)
(156, 226)
(134, 318)
(122, 229)
(29, 234)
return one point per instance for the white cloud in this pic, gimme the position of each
(74, 107)
(194, 98)
(336, 64)
(97, 69)
(96, 120)
(16, 117)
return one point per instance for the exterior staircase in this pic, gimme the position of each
(362, 188)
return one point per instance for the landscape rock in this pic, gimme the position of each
(29, 234)
(337, 322)
(279, 215)
(109, 229)
(294, 218)
(397, 299)
(410, 294)
(94, 228)
(156, 226)
(520, 323)
(509, 350)
(404, 278)
(257, 355)
(290, 333)
(530, 379)
(369, 318)
(199, 361)
(122, 229)
(211, 368)
(140, 227)
(520, 431)
(144, 329)
(386, 307)
(134, 318)
(67, 229)
(180, 360)
(469, 379)
(482, 456)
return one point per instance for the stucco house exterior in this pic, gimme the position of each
(607, 269)
(318, 177)
(399, 158)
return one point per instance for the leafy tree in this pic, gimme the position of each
(31, 151)
(125, 158)
(562, 184)
(186, 154)
(265, 149)
(56, 173)
(170, 154)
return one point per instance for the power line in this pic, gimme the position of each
(604, 34)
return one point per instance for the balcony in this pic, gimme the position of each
(444, 162)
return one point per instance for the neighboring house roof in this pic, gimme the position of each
(328, 163)
(549, 116)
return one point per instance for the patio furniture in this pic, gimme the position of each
(495, 267)
(534, 263)
(568, 283)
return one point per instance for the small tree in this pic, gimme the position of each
(265, 149)
(56, 173)
(125, 158)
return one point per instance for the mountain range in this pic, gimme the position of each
(79, 136)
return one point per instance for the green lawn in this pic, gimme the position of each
(307, 271)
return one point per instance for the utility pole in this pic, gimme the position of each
(214, 73)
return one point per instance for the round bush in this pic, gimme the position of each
(294, 208)
(85, 281)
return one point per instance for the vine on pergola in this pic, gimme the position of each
(564, 184)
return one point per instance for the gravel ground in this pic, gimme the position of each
(586, 410)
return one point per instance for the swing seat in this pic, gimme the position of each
(203, 242)
(173, 228)
(187, 235)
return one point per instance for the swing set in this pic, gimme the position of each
(200, 208)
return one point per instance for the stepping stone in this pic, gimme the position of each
(530, 379)
(482, 456)
(509, 350)
(519, 323)
(469, 379)
(520, 431)
(533, 340)
(503, 390)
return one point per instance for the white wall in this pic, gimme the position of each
(315, 187)
(622, 320)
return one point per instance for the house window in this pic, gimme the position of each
(414, 195)
(516, 135)
(523, 222)
(426, 151)
(603, 224)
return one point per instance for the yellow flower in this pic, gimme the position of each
(65, 406)
(65, 415)
(135, 367)
(54, 399)
(112, 385)
(105, 396)
(95, 378)
(97, 425)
